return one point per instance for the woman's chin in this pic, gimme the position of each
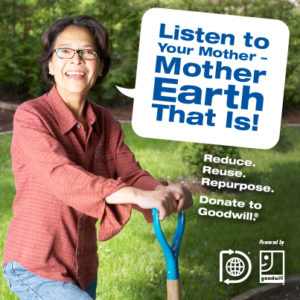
(76, 87)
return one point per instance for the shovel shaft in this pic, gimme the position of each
(170, 253)
(173, 289)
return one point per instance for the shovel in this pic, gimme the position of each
(170, 253)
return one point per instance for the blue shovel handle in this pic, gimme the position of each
(170, 253)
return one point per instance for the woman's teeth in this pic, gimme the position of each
(80, 74)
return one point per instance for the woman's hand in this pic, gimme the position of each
(182, 195)
(162, 199)
(167, 199)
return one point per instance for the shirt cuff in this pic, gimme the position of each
(113, 216)
(113, 221)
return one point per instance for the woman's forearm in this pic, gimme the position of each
(124, 195)
(166, 199)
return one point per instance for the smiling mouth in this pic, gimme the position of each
(75, 74)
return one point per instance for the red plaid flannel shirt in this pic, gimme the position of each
(62, 176)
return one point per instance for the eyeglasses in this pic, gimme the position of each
(67, 53)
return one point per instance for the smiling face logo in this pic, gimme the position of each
(272, 266)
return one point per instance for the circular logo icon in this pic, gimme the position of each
(235, 266)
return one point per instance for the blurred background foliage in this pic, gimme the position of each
(24, 21)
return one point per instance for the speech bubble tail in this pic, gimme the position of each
(127, 92)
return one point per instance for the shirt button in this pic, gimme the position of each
(80, 226)
(78, 126)
(78, 252)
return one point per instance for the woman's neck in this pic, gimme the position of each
(76, 103)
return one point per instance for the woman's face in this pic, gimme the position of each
(74, 75)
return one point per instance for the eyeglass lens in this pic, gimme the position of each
(67, 53)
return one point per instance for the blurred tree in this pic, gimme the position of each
(22, 23)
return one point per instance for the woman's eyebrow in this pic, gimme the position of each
(64, 45)
(70, 45)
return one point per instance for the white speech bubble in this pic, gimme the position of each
(210, 78)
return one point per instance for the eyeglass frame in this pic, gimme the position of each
(77, 51)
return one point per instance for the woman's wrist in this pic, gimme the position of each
(124, 195)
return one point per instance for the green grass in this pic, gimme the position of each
(132, 265)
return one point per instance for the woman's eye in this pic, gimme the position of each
(63, 51)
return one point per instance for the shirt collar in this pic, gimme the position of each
(64, 116)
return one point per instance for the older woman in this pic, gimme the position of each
(71, 167)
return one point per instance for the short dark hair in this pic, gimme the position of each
(97, 30)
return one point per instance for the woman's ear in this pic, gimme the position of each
(100, 68)
(50, 67)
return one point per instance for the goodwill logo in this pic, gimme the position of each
(210, 78)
